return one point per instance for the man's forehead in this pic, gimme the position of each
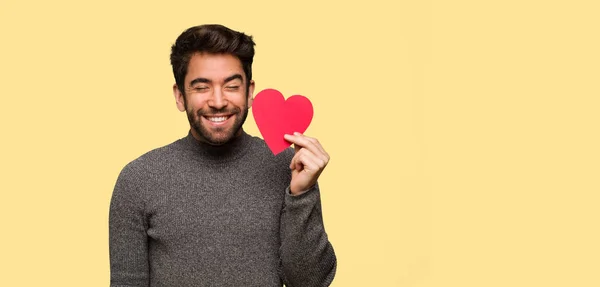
(215, 60)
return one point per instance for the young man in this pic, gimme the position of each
(217, 208)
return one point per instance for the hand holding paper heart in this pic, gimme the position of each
(308, 162)
(281, 123)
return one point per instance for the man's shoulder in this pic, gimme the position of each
(153, 160)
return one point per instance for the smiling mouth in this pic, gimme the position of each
(217, 119)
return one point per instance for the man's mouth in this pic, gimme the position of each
(219, 119)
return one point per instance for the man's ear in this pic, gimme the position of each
(179, 98)
(250, 93)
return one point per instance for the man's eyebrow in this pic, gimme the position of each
(200, 80)
(208, 81)
(233, 77)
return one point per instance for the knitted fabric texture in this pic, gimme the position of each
(191, 214)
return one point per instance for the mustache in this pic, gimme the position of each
(211, 111)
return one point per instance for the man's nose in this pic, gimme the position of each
(218, 100)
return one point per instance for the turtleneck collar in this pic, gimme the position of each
(232, 150)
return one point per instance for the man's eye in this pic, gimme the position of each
(233, 88)
(200, 89)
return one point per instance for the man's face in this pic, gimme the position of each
(215, 97)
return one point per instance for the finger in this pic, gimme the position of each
(290, 138)
(308, 163)
(318, 151)
(309, 159)
(309, 143)
(299, 165)
(295, 163)
(314, 151)
(312, 140)
(319, 146)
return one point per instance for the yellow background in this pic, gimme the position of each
(463, 134)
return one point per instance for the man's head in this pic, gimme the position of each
(212, 65)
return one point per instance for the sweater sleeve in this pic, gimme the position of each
(307, 256)
(127, 235)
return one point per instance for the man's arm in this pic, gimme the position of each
(127, 234)
(307, 256)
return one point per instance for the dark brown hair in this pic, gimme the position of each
(213, 39)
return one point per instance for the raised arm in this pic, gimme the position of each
(307, 256)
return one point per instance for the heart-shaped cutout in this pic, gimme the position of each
(276, 116)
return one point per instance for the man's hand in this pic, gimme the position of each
(308, 162)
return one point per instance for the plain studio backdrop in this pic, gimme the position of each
(463, 134)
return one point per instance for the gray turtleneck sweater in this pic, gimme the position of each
(191, 214)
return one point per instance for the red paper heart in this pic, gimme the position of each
(276, 116)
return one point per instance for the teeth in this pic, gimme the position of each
(217, 119)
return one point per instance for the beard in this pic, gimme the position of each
(220, 135)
